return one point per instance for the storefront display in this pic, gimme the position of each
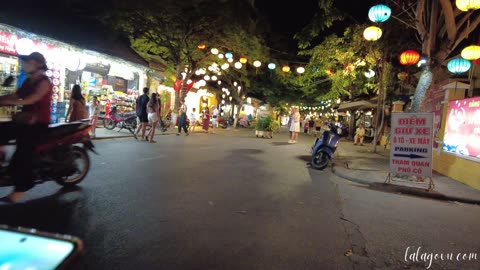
(462, 135)
(104, 76)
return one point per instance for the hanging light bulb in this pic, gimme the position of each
(286, 69)
(243, 60)
(214, 78)
(206, 78)
(228, 55)
(257, 63)
(238, 65)
(271, 66)
(235, 84)
(300, 70)
(220, 56)
(219, 82)
(214, 51)
(230, 60)
(225, 66)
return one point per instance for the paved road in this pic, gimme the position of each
(232, 201)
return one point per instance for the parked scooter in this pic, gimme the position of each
(324, 148)
(127, 120)
(60, 156)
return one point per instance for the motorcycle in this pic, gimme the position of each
(224, 123)
(60, 156)
(323, 149)
(124, 121)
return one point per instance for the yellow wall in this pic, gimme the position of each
(460, 169)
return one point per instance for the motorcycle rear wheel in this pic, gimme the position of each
(109, 124)
(320, 160)
(79, 155)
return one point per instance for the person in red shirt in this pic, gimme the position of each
(35, 95)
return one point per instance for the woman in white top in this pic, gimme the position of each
(294, 126)
(193, 119)
(153, 109)
(94, 112)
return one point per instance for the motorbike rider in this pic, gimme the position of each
(35, 94)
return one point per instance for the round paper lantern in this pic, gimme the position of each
(458, 65)
(471, 52)
(300, 70)
(468, 5)
(201, 46)
(257, 63)
(379, 13)
(243, 60)
(220, 56)
(409, 57)
(349, 67)
(214, 51)
(372, 33)
(214, 78)
(402, 76)
(228, 55)
(225, 66)
(286, 69)
(238, 65)
(206, 78)
(271, 66)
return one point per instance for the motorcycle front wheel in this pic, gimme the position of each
(82, 165)
(109, 124)
(320, 160)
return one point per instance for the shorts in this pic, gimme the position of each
(214, 121)
(152, 118)
(143, 118)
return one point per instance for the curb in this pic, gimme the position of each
(405, 190)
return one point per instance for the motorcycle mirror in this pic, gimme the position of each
(8, 81)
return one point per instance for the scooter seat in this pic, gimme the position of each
(58, 130)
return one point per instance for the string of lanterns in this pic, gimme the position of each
(243, 60)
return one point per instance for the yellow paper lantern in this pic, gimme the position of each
(201, 46)
(471, 52)
(468, 5)
(286, 69)
(372, 33)
(243, 60)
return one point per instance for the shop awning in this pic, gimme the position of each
(356, 105)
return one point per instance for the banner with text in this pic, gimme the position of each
(411, 144)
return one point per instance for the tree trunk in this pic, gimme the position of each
(422, 88)
(178, 74)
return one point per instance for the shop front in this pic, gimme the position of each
(111, 79)
(356, 113)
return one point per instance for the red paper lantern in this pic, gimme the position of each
(409, 57)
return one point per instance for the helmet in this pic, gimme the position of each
(37, 57)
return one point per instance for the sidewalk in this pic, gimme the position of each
(359, 164)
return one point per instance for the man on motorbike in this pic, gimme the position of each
(35, 95)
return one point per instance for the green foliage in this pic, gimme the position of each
(325, 17)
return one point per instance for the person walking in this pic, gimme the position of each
(153, 109)
(294, 126)
(318, 126)
(206, 120)
(193, 120)
(215, 115)
(182, 123)
(77, 109)
(94, 112)
(142, 114)
(311, 124)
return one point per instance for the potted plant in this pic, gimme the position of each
(267, 126)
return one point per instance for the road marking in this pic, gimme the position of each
(151, 158)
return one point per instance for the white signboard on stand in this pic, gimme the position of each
(411, 144)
